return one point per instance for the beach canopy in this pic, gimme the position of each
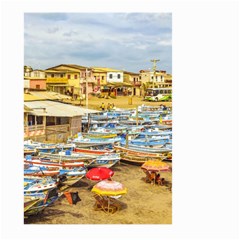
(109, 188)
(156, 166)
(100, 173)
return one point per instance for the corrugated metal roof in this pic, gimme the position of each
(56, 109)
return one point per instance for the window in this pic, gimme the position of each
(75, 76)
(37, 86)
(118, 76)
(68, 76)
(39, 120)
(61, 75)
(110, 75)
(102, 77)
(152, 77)
(52, 75)
(140, 77)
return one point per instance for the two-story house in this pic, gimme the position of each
(70, 78)
(34, 79)
(158, 79)
(133, 79)
(111, 80)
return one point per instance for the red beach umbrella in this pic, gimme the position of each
(100, 173)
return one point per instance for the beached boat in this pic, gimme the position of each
(153, 149)
(95, 135)
(92, 151)
(48, 162)
(135, 152)
(41, 171)
(106, 160)
(138, 160)
(37, 186)
(33, 204)
(67, 156)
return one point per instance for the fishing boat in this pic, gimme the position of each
(67, 156)
(138, 160)
(95, 135)
(29, 151)
(47, 162)
(135, 152)
(37, 186)
(31, 170)
(33, 204)
(152, 149)
(71, 176)
(91, 151)
(106, 160)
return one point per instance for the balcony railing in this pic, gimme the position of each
(57, 80)
(36, 130)
(137, 84)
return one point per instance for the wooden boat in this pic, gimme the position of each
(42, 185)
(106, 160)
(33, 204)
(47, 162)
(93, 145)
(135, 152)
(66, 157)
(158, 149)
(28, 151)
(70, 180)
(29, 202)
(41, 171)
(95, 135)
(91, 151)
(138, 160)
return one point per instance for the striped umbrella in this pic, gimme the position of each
(156, 166)
(109, 188)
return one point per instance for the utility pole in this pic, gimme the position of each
(154, 61)
(86, 88)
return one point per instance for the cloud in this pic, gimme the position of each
(120, 40)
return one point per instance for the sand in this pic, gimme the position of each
(143, 204)
(119, 102)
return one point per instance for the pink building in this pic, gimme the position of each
(35, 79)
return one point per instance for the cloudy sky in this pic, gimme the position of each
(118, 40)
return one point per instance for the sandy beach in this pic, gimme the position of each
(143, 204)
(119, 102)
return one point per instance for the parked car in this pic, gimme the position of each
(167, 98)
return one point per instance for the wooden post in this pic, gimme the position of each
(55, 135)
(44, 126)
(137, 115)
(35, 128)
(127, 139)
(88, 122)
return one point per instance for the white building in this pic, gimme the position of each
(114, 77)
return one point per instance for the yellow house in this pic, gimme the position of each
(100, 75)
(133, 78)
(71, 79)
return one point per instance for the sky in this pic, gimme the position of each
(124, 41)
